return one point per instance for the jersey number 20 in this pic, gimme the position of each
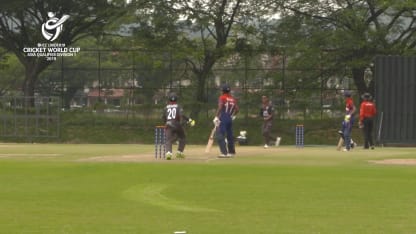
(171, 113)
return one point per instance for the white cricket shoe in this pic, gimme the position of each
(180, 154)
(266, 146)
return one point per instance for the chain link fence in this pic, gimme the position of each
(21, 119)
(136, 82)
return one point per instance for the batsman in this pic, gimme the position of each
(224, 116)
(174, 119)
(348, 123)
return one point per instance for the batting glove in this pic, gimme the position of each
(347, 118)
(216, 121)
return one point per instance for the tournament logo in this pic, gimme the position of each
(51, 50)
(53, 27)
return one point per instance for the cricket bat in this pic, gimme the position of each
(210, 140)
(340, 143)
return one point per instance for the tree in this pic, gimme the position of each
(11, 73)
(200, 31)
(349, 33)
(21, 21)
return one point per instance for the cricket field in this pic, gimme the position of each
(85, 188)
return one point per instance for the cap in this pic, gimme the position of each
(366, 96)
(173, 97)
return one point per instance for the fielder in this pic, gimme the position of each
(224, 116)
(266, 112)
(173, 117)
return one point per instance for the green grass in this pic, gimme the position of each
(50, 188)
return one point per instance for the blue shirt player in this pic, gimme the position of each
(226, 111)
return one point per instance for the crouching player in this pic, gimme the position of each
(174, 119)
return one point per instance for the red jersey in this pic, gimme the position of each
(229, 104)
(349, 105)
(367, 110)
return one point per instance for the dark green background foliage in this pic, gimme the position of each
(96, 128)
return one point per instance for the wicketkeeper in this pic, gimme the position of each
(174, 119)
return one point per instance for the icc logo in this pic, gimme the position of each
(53, 27)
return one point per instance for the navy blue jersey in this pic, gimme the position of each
(173, 113)
(267, 111)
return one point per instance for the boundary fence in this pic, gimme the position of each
(20, 118)
(136, 83)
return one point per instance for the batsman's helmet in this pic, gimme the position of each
(173, 97)
(347, 93)
(226, 88)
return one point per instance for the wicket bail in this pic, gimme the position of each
(300, 137)
(160, 139)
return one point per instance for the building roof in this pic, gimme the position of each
(108, 93)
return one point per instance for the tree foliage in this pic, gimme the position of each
(349, 33)
(11, 73)
(21, 20)
(191, 38)
(199, 32)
